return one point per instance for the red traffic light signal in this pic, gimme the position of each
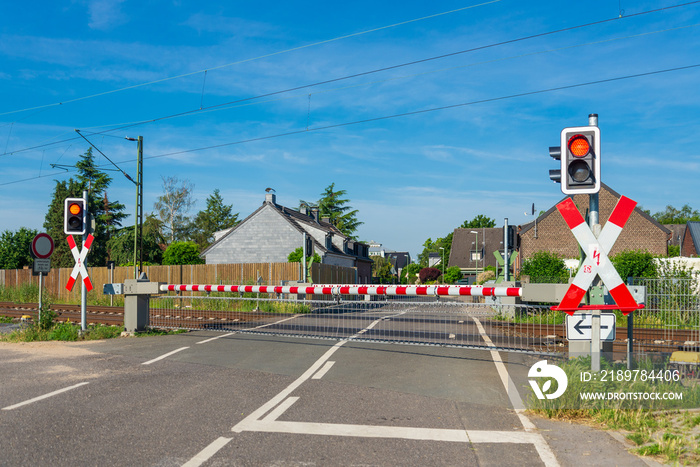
(580, 160)
(74, 216)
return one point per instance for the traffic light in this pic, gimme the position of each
(74, 216)
(580, 160)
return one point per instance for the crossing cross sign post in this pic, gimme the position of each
(597, 261)
(79, 257)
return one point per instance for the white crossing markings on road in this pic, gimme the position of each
(206, 453)
(321, 373)
(165, 356)
(45, 396)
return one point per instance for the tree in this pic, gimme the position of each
(545, 267)
(677, 216)
(182, 253)
(343, 217)
(429, 274)
(107, 214)
(478, 222)
(121, 245)
(172, 208)
(295, 256)
(15, 248)
(409, 274)
(382, 269)
(217, 216)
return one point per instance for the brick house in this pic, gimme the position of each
(550, 233)
(273, 231)
(690, 243)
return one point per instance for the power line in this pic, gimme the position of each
(184, 75)
(404, 114)
(365, 73)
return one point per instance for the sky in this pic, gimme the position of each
(426, 113)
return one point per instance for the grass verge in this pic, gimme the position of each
(668, 430)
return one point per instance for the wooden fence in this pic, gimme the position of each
(251, 273)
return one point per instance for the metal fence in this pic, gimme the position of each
(671, 319)
(405, 320)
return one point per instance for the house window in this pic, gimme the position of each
(477, 255)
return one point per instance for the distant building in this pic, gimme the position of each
(399, 259)
(472, 252)
(273, 231)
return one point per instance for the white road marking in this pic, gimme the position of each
(45, 396)
(217, 337)
(321, 373)
(164, 356)
(206, 453)
(543, 449)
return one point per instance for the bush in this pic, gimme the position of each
(182, 253)
(428, 274)
(452, 275)
(409, 274)
(545, 267)
(634, 264)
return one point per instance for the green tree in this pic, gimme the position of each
(217, 216)
(545, 267)
(107, 214)
(452, 275)
(677, 216)
(635, 263)
(479, 221)
(409, 273)
(121, 245)
(295, 256)
(15, 248)
(172, 208)
(342, 216)
(382, 269)
(182, 253)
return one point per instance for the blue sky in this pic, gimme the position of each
(419, 148)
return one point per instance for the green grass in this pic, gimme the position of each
(68, 331)
(661, 429)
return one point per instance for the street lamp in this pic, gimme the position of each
(443, 264)
(476, 246)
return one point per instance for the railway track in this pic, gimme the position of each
(645, 339)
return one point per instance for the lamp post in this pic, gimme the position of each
(476, 246)
(443, 264)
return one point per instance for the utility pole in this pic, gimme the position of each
(138, 218)
(594, 224)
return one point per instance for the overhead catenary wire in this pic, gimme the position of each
(399, 115)
(365, 73)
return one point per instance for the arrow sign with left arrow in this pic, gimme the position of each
(578, 327)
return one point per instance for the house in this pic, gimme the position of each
(473, 249)
(273, 231)
(690, 243)
(550, 233)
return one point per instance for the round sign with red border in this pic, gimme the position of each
(42, 246)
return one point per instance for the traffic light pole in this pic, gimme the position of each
(83, 288)
(594, 223)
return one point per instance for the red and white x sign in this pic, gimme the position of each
(597, 261)
(79, 267)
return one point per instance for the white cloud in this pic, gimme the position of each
(106, 14)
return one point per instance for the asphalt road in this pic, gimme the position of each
(217, 399)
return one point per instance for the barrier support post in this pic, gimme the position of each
(137, 294)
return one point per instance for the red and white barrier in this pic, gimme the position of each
(393, 290)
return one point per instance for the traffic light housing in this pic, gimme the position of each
(74, 216)
(580, 160)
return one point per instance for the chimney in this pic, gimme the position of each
(314, 213)
(270, 198)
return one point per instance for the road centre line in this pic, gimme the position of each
(164, 356)
(321, 373)
(206, 453)
(543, 449)
(45, 396)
